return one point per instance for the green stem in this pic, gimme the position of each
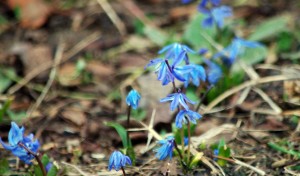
(182, 140)
(180, 155)
(189, 142)
(36, 156)
(128, 122)
(202, 97)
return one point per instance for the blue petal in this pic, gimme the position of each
(15, 134)
(154, 62)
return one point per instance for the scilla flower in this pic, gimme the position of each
(166, 149)
(186, 115)
(236, 48)
(16, 138)
(215, 15)
(133, 99)
(117, 160)
(177, 52)
(194, 74)
(214, 72)
(177, 98)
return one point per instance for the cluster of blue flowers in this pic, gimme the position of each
(175, 65)
(16, 139)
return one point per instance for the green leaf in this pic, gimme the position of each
(270, 28)
(5, 80)
(37, 169)
(53, 171)
(155, 35)
(16, 116)
(197, 35)
(254, 55)
(121, 131)
(4, 109)
(224, 151)
(131, 154)
(45, 159)
(4, 166)
(192, 94)
(284, 42)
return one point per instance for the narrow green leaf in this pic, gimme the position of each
(53, 171)
(254, 55)
(4, 166)
(155, 35)
(271, 27)
(4, 109)
(4, 79)
(121, 131)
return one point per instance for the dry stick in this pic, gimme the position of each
(248, 84)
(78, 169)
(36, 156)
(235, 161)
(57, 59)
(80, 46)
(113, 16)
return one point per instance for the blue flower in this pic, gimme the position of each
(186, 1)
(133, 99)
(177, 98)
(186, 141)
(213, 2)
(186, 115)
(202, 51)
(166, 148)
(216, 153)
(177, 52)
(166, 74)
(236, 48)
(193, 73)
(215, 15)
(49, 166)
(118, 160)
(214, 72)
(15, 137)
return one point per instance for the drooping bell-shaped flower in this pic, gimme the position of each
(16, 138)
(166, 148)
(133, 99)
(117, 160)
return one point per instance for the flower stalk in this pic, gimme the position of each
(36, 156)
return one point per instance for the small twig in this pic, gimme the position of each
(57, 59)
(272, 104)
(113, 16)
(78, 169)
(235, 161)
(248, 84)
(36, 156)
